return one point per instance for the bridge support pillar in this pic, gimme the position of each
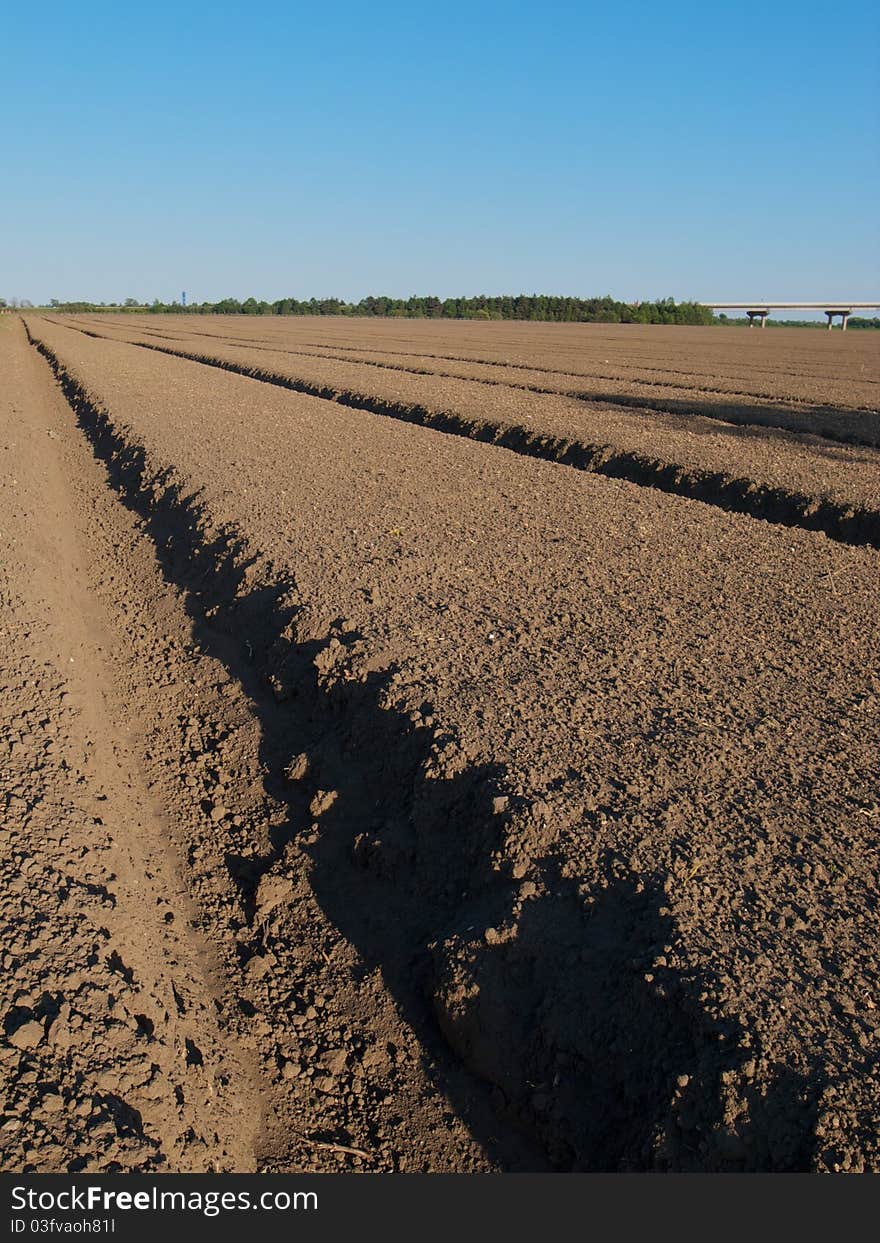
(844, 319)
(761, 315)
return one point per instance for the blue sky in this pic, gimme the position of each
(639, 149)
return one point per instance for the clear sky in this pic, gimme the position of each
(641, 149)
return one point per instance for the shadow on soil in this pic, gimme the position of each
(838, 425)
(578, 1055)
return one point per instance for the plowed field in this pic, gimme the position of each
(439, 747)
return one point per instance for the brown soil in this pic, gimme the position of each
(508, 816)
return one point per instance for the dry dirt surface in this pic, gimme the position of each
(395, 783)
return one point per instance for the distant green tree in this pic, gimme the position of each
(541, 308)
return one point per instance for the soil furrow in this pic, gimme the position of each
(354, 1071)
(800, 417)
(120, 1052)
(841, 426)
(848, 523)
(844, 425)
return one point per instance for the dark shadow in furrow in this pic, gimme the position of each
(840, 426)
(405, 867)
(844, 523)
(596, 1019)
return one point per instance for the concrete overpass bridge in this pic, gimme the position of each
(760, 310)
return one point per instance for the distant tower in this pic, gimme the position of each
(183, 298)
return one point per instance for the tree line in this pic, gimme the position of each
(542, 308)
